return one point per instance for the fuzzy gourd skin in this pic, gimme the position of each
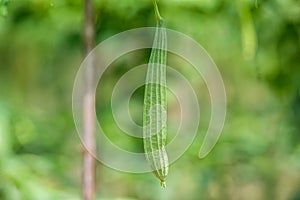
(155, 106)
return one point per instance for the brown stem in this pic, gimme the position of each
(89, 162)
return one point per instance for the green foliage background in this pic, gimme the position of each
(256, 46)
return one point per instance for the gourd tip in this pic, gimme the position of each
(163, 184)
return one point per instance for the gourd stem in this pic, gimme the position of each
(158, 17)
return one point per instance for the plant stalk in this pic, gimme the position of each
(88, 162)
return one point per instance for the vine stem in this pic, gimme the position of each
(158, 17)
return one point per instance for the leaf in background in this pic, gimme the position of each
(249, 39)
(3, 8)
